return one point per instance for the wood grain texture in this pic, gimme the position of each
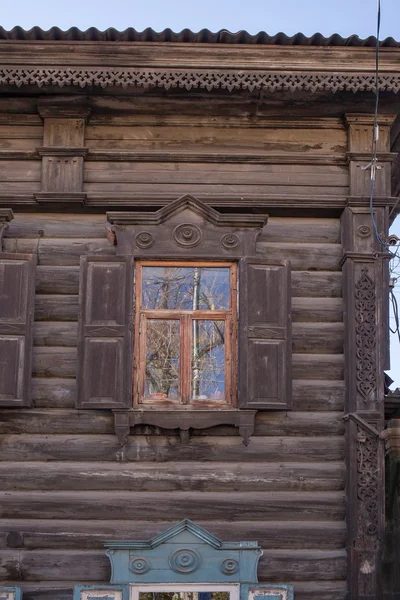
(153, 506)
(63, 307)
(64, 421)
(37, 565)
(61, 361)
(312, 395)
(314, 256)
(56, 251)
(314, 284)
(186, 477)
(84, 448)
(324, 338)
(47, 534)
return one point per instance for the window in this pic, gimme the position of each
(186, 348)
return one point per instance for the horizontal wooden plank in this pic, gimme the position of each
(63, 421)
(129, 173)
(317, 284)
(302, 230)
(320, 590)
(54, 362)
(277, 565)
(184, 476)
(20, 187)
(57, 307)
(54, 225)
(62, 307)
(325, 257)
(314, 338)
(318, 366)
(215, 191)
(317, 310)
(166, 137)
(59, 251)
(279, 229)
(313, 284)
(304, 590)
(313, 395)
(139, 448)
(317, 395)
(324, 338)
(57, 280)
(20, 170)
(70, 534)
(59, 361)
(154, 506)
(21, 131)
(53, 393)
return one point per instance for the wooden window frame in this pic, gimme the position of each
(185, 317)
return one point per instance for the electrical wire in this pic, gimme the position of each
(395, 309)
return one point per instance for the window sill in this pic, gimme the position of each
(184, 420)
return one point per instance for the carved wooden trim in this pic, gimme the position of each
(232, 200)
(214, 157)
(184, 420)
(63, 151)
(196, 79)
(60, 197)
(365, 503)
(196, 206)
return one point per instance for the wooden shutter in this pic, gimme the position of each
(17, 302)
(264, 335)
(105, 341)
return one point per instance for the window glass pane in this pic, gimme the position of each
(208, 360)
(184, 595)
(162, 359)
(186, 288)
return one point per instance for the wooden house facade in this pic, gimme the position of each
(126, 155)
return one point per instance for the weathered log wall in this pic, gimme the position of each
(65, 485)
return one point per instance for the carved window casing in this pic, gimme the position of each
(115, 323)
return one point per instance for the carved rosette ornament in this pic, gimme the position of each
(144, 240)
(229, 566)
(187, 235)
(184, 560)
(139, 565)
(230, 241)
(365, 334)
(367, 486)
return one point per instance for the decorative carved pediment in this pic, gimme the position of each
(186, 224)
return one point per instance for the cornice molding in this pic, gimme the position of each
(232, 200)
(209, 79)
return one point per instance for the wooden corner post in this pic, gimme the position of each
(365, 287)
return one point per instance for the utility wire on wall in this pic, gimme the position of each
(373, 165)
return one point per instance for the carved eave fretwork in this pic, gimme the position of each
(188, 225)
(192, 79)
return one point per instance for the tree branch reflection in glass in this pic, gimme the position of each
(162, 358)
(186, 288)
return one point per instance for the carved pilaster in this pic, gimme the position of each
(63, 150)
(365, 289)
(365, 509)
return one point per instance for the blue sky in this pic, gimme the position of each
(308, 16)
(290, 16)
